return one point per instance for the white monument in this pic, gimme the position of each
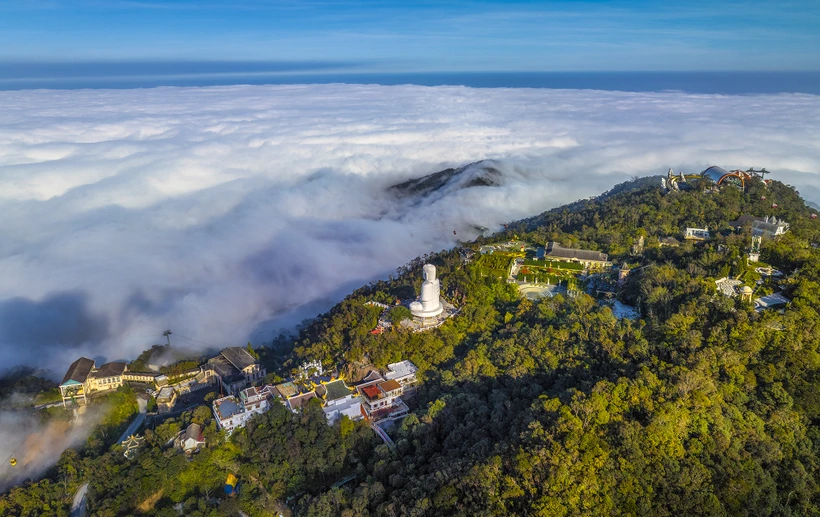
(428, 304)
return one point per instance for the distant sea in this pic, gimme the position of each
(691, 82)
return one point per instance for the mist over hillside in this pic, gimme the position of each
(228, 213)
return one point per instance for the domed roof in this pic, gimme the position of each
(715, 173)
(746, 290)
(719, 175)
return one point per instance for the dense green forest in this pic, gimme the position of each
(702, 406)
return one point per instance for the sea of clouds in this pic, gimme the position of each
(227, 213)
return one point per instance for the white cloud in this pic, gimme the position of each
(212, 210)
(37, 445)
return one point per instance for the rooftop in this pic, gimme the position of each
(287, 390)
(556, 250)
(384, 412)
(743, 219)
(115, 369)
(715, 173)
(227, 406)
(225, 369)
(373, 375)
(388, 386)
(344, 406)
(772, 300)
(400, 369)
(239, 357)
(372, 392)
(165, 393)
(767, 223)
(132, 441)
(194, 431)
(78, 371)
(253, 391)
(301, 400)
(719, 175)
(336, 390)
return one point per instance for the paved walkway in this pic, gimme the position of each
(726, 286)
(80, 501)
(137, 422)
(383, 435)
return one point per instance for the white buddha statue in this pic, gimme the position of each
(428, 304)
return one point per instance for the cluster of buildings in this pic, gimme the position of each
(765, 227)
(232, 370)
(734, 288)
(761, 228)
(378, 397)
(189, 441)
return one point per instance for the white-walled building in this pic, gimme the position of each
(381, 396)
(339, 401)
(766, 227)
(697, 234)
(232, 412)
(381, 401)
(191, 439)
(403, 372)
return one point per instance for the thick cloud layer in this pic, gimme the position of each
(37, 445)
(227, 212)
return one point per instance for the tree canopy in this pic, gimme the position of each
(552, 407)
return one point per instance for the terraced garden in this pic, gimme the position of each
(495, 264)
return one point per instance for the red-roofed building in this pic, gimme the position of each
(381, 400)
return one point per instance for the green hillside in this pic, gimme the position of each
(702, 406)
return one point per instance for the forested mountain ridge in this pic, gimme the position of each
(703, 406)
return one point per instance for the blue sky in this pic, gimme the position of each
(396, 36)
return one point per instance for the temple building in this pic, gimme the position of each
(382, 396)
(428, 304)
(588, 258)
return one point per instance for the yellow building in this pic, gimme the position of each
(108, 377)
(83, 378)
